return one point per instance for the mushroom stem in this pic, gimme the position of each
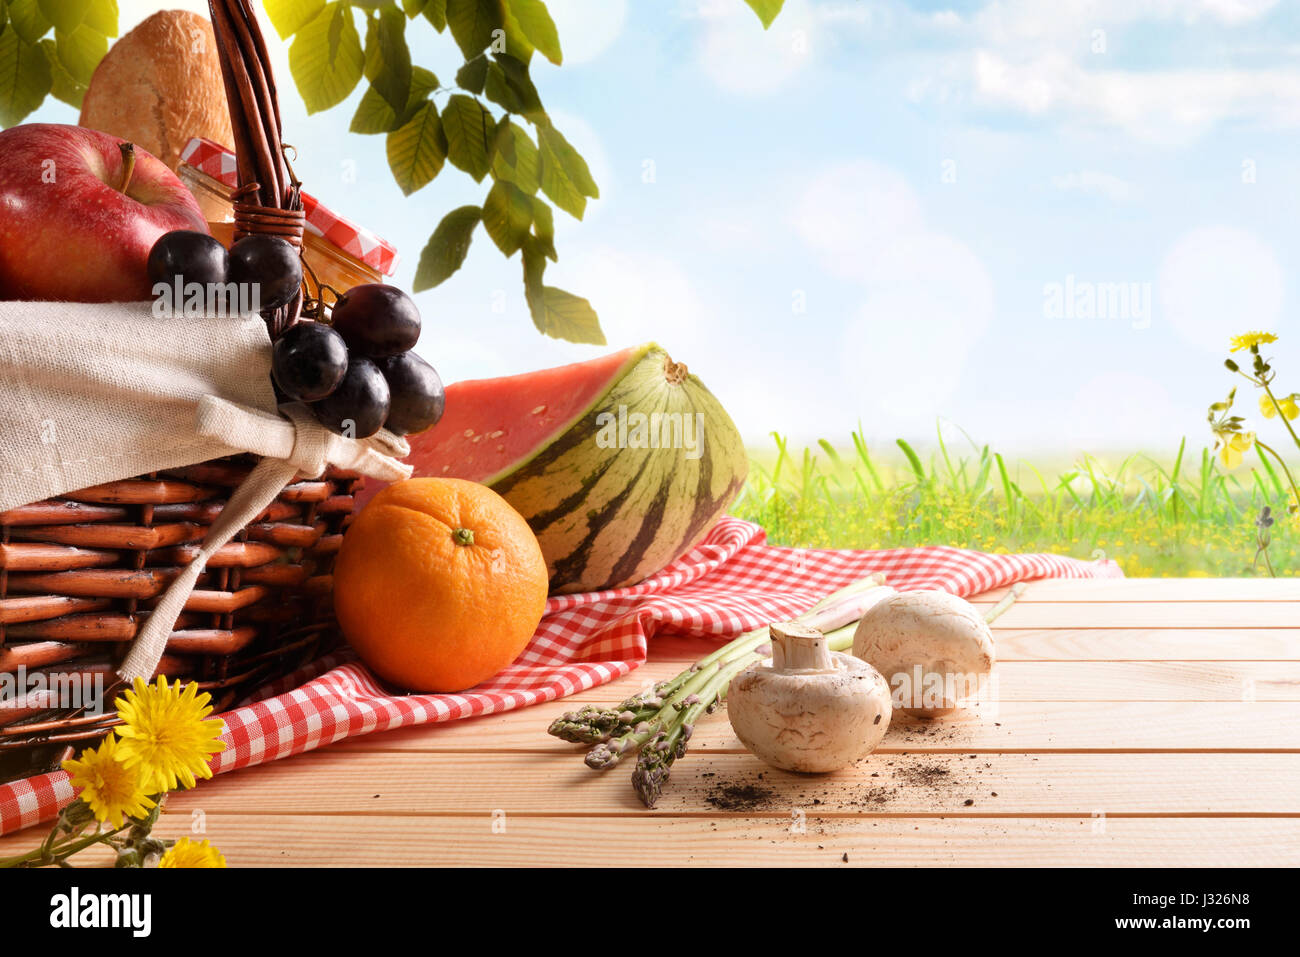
(797, 647)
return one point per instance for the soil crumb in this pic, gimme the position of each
(925, 775)
(740, 797)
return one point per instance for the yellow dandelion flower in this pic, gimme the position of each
(187, 853)
(1231, 446)
(1287, 404)
(165, 732)
(1251, 339)
(110, 787)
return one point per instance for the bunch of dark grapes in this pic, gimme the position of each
(356, 372)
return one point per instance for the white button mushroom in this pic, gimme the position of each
(812, 709)
(932, 647)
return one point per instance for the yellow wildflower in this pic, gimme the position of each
(186, 853)
(1287, 404)
(109, 787)
(1251, 339)
(1232, 445)
(165, 732)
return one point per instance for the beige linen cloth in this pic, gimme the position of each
(93, 393)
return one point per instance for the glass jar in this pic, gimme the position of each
(330, 264)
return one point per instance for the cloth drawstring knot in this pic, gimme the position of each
(292, 443)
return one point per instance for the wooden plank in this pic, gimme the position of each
(710, 784)
(669, 653)
(1066, 681)
(302, 840)
(1144, 644)
(1152, 614)
(1031, 726)
(1111, 590)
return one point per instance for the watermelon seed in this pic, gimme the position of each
(539, 410)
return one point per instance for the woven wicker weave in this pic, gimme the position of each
(79, 573)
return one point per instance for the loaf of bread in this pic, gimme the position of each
(159, 85)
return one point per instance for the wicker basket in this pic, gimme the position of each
(79, 574)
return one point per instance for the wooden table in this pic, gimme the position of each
(1139, 722)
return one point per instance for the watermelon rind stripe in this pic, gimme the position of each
(650, 509)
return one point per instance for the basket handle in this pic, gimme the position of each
(269, 200)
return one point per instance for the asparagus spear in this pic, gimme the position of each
(668, 743)
(630, 725)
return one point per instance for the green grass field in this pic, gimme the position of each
(1183, 516)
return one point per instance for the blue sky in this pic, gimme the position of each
(858, 215)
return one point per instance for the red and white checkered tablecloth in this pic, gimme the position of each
(732, 582)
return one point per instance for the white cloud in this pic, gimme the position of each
(1218, 281)
(1164, 106)
(741, 57)
(641, 296)
(1096, 183)
(929, 297)
(1115, 410)
(587, 28)
(1051, 61)
(1006, 22)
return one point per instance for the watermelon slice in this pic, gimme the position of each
(610, 504)
(492, 425)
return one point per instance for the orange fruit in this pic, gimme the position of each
(439, 584)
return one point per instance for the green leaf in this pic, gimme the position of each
(447, 247)
(290, 16)
(516, 159)
(28, 21)
(24, 78)
(562, 315)
(80, 51)
(507, 214)
(64, 86)
(473, 74)
(413, 8)
(374, 115)
(766, 10)
(417, 151)
(326, 59)
(435, 11)
(565, 177)
(470, 131)
(509, 85)
(555, 145)
(534, 260)
(102, 17)
(474, 24)
(536, 23)
(388, 59)
(516, 41)
(66, 15)
(544, 228)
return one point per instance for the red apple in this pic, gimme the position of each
(68, 229)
